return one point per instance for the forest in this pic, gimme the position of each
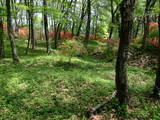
(79, 59)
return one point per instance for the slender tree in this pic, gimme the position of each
(32, 25)
(73, 24)
(96, 24)
(149, 5)
(28, 15)
(157, 83)
(88, 22)
(112, 15)
(10, 33)
(46, 27)
(137, 28)
(126, 10)
(1, 38)
(83, 13)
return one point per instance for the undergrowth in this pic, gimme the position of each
(48, 87)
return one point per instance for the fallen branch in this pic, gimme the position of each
(91, 111)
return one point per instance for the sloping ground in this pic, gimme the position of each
(144, 58)
(48, 87)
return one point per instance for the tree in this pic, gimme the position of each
(157, 82)
(88, 22)
(83, 13)
(73, 24)
(149, 5)
(126, 10)
(10, 33)
(46, 27)
(1, 38)
(113, 12)
(28, 14)
(32, 25)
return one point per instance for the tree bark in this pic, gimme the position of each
(10, 33)
(32, 25)
(2, 54)
(88, 22)
(29, 35)
(157, 82)
(137, 29)
(28, 16)
(46, 27)
(73, 25)
(82, 18)
(96, 24)
(126, 10)
(112, 14)
(149, 5)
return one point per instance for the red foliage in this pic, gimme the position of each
(151, 24)
(23, 32)
(5, 28)
(52, 34)
(105, 39)
(91, 37)
(152, 27)
(154, 41)
(20, 32)
(66, 35)
(62, 34)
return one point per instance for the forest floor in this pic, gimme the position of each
(48, 87)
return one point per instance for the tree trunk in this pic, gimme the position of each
(88, 22)
(137, 30)
(1, 39)
(73, 25)
(32, 25)
(57, 35)
(126, 10)
(157, 83)
(28, 16)
(149, 5)
(96, 26)
(46, 27)
(29, 34)
(10, 33)
(146, 30)
(112, 14)
(82, 17)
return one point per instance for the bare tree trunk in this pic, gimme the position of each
(149, 5)
(28, 16)
(137, 30)
(73, 25)
(46, 27)
(10, 33)
(82, 18)
(157, 83)
(126, 10)
(112, 12)
(1, 38)
(57, 35)
(88, 22)
(32, 25)
(29, 35)
(96, 29)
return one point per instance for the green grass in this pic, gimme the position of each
(48, 87)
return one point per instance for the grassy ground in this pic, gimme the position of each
(48, 87)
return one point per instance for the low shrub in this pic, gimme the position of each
(72, 48)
